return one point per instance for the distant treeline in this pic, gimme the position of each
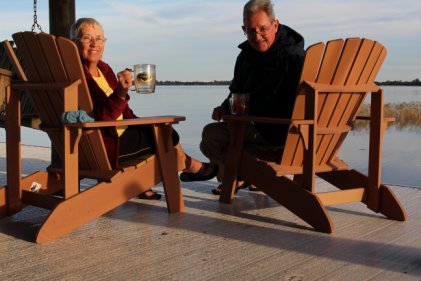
(192, 83)
(415, 82)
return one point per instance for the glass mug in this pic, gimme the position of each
(239, 103)
(144, 78)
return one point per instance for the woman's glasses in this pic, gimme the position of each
(87, 39)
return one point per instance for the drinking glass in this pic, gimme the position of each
(239, 103)
(144, 78)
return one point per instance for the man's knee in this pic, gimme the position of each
(212, 128)
(214, 140)
(217, 131)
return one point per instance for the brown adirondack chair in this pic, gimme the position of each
(334, 82)
(9, 61)
(57, 84)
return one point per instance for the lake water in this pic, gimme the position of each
(401, 148)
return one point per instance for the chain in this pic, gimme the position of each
(36, 24)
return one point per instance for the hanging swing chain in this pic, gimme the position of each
(36, 24)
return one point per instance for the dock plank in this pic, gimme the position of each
(252, 239)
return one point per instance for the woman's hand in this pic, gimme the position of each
(124, 82)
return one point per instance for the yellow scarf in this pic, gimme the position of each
(103, 84)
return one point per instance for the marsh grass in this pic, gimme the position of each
(407, 115)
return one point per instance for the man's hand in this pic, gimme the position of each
(218, 113)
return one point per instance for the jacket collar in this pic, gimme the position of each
(285, 36)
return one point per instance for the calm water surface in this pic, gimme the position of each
(401, 148)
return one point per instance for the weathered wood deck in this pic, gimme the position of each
(252, 239)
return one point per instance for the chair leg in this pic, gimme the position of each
(299, 201)
(390, 206)
(166, 153)
(3, 207)
(229, 181)
(50, 182)
(96, 201)
(45, 180)
(13, 191)
(291, 195)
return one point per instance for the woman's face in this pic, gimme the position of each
(91, 43)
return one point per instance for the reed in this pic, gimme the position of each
(407, 115)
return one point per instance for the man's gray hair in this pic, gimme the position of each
(254, 6)
(77, 26)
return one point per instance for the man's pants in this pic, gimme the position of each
(215, 142)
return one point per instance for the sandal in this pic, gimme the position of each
(154, 196)
(206, 172)
(217, 190)
(253, 188)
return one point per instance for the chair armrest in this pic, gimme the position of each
(268, 120)
(170, 119)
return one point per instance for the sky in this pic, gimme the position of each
(191, 40)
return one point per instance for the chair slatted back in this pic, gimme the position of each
(351, 62)
(50, 59)
(12, 60)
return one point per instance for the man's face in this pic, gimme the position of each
(260, 31)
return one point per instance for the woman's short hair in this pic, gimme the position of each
(76, 27)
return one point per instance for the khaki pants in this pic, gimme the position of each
(215, 142)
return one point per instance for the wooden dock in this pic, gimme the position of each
(252, 239)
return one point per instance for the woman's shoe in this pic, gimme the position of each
(244, 184)
(154, 196)
(253, 188)
(207, 171)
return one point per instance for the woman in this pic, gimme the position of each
(111, 102)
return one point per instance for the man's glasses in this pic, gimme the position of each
(262, 30)
(87, 39)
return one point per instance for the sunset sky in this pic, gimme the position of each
(197, 40)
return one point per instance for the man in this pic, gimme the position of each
(268, 68)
